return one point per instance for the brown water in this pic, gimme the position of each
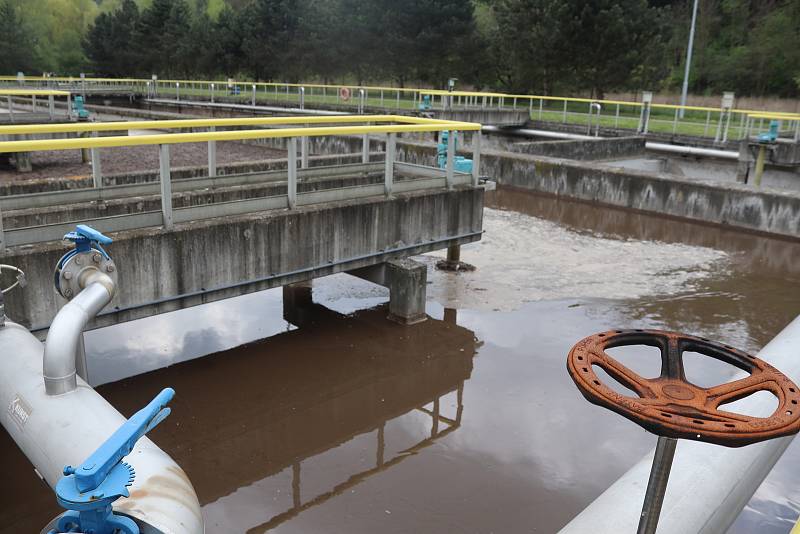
(340, 421)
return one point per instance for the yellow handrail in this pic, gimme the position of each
(420, 125)
(33, 92)
(83, 127)
(223, 83)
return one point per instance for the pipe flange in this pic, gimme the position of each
(71, 275)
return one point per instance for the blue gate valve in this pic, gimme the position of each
(460, 163)
(86, 239)
(87, 491)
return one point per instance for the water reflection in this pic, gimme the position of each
(276, 418)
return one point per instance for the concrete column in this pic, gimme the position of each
(22, 161)
(407, 282)
(297, 303)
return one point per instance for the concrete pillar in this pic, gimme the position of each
(453, 261)
(408, 284)
(407, 281)
(298, 303)
(22, 161)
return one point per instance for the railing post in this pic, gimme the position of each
(166, 186)
(565, 112)
(2, 237)
(476, 157)
(97, 170)
(365, 149)
(450, 167)
(304, 152)
(212, 93)
(302, 94)
(254, 95)
(10, 109)
(51, 106)
(212, 154)
(292, 174)
(391, 144)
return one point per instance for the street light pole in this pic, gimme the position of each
(688, 59)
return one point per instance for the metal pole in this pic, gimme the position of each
(388, 181)
(166, 186)
(476, 157)
(760, 160)
(304, 152)
(449, 166)
(97, 172)
(365, 148)
(212, 154)
(292, 179)
(254, 95)
(177, 91)
(685, 90)
(657, 485)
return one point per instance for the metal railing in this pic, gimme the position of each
(387, 126)
(721, 123)
(13, 96)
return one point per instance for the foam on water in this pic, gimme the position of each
(523, 258)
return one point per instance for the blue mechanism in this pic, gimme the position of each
(425, 105)
(460, 163)
(86, 239)
(87, 491)
(77, 107)
(772, 135)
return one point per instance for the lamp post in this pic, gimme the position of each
(688, 59)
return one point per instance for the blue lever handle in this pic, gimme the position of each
(94, 470)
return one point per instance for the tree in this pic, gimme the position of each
(16, 41)
(109, 43)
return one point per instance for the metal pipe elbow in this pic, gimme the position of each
(61, 346)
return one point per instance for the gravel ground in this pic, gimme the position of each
(67, 163)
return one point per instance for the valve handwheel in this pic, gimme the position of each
(671, 406)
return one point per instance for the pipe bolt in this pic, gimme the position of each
(77, 260)
(96, 257)
(109, 268)
(68, 275)
(68, 293)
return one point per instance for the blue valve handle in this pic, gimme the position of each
(96, 467)
(85, 236)
(88, 490)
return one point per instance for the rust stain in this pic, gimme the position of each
(672, 406)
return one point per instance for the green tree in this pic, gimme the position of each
(16, 41)
(109, 43)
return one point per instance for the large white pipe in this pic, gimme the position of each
(58, 430)
(691, 150)
(709, 485)
(66, 331)
(659, 147)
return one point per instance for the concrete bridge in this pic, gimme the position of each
(184, 242)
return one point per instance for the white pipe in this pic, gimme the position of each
(534, 133)
(54, 431)
(659, 147)
(709, 485)
(63, 338)
(677, 149)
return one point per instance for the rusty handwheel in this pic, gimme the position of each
(672, 407)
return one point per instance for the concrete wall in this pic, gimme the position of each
(771, 211)
(208, 260)
(584, 149)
